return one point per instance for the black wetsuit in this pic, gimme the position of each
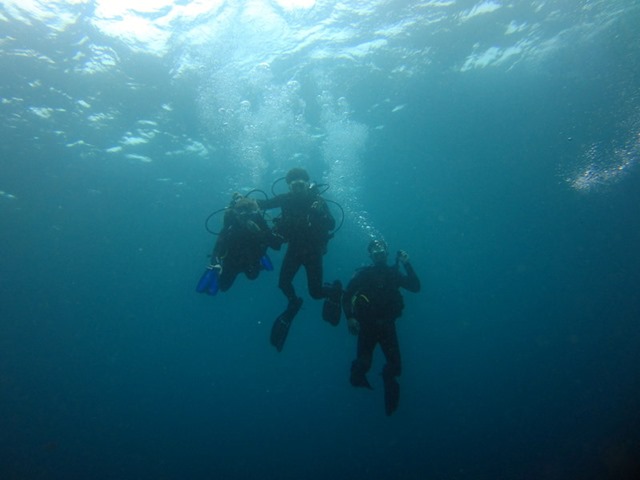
(241, 244)
(305, 224)
(373, 298)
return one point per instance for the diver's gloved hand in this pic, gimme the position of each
(353, 325)
(402, 257)
(216, 266)
(317, 209)
(275, 241)
(252, 226)
(316, 213)
(235, 198)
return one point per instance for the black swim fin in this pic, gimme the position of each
(331, 308)
(391, 395)
(280, 328)
(360, 380)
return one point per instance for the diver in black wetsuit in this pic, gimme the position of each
(241, 246)
(306, 224)
(372, 302)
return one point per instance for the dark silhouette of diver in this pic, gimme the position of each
(305, 224)
(372, 302)
(241, 246)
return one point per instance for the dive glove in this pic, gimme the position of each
(402, 257)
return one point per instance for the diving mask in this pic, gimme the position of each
(299, 186)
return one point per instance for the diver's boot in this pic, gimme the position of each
(358, 376)
(360, 381)
(391, 394)
(280, 328)
(331, 308)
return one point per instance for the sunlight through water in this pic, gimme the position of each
(268, 77)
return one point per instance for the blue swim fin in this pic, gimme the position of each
(208, 282)
(265, 261)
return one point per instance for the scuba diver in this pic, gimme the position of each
(306, 224)
(241, 246)
(372, 302)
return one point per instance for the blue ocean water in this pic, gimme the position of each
(496, 141)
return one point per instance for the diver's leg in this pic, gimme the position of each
(331, 292)
(280, 328)
(227, 277)
(391, 349)
(290, 266)
(392, 369)
(362, 363)
(314, 269)
(252, 271)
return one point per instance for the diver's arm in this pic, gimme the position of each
(222, 243)
(229, 218)
(410, 281)
(331, 222)
(269, 238)
(219, 249)
(348, 293)
(322, 215)
(353, 287)
(269, 203)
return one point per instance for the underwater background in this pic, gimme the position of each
(496, 141)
